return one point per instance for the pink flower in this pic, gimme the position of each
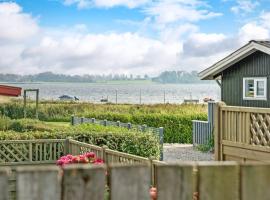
(60, 162)
(83, 159)
(90, 155)
(99, 161)
(75, 159)
(69, 156)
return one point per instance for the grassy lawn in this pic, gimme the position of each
(60, 124)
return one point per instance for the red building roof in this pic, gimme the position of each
(12, 91)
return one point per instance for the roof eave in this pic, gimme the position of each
(214, 70)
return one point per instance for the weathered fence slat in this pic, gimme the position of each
(38, 183)
(4, 184)
(255, 181)
(83, 182)
(218, 181)
(175, 182)
(130, 182)
(184, 181)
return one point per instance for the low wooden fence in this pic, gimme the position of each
(186, 181)
(16, 153)
(13, 152)
(202, 131)
(242, 133)
(141, 128)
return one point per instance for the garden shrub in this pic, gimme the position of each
(176, 119)
(120, 139)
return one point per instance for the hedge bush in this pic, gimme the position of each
(176, 119)
(120, 139)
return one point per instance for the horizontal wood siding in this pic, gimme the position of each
(255, 65)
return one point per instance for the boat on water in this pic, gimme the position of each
(104, 100)
(68, 98)
(207, 99)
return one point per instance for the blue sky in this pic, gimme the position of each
(54, 13)
(125, 36)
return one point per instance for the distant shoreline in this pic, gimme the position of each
(109, 82)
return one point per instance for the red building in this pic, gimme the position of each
(11, 91)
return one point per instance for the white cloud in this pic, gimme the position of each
(105, 3)
(102, 53)
(258, 29)
(177, 32)
(244, 6)
(204, 45)
(169, 11)
(14, 24)
(253, 31)
(74, 50)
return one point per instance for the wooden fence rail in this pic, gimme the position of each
(29, 151)
(185, 181)
(23, 152)
(141, 128)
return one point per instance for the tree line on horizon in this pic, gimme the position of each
(164, 77)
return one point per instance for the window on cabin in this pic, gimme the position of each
(254, 88)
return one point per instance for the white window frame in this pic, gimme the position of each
(255, 79)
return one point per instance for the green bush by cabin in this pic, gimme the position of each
(176, 119)
(116, 138)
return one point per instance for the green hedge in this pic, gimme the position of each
(176, 119)
(120, 139)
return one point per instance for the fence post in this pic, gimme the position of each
(93, 120)
(82, 120)
(129, 125)
(216, 130)
(4, 184)
(30, 152)
(72, 120)
(103, 154)
(66, 146)
(151, 159)
(161, 141)
(211, 119)
(116, 96)
(144, 127)
(193, 132)
(105, 122)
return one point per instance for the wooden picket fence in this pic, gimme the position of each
(47, 151)
(185, 181)
(16, 153)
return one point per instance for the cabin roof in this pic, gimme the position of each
(213, 71)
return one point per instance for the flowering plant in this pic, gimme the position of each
(89, 157)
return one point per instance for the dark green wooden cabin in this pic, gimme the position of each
(244, 75)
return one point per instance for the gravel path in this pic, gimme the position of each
(184, 152)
